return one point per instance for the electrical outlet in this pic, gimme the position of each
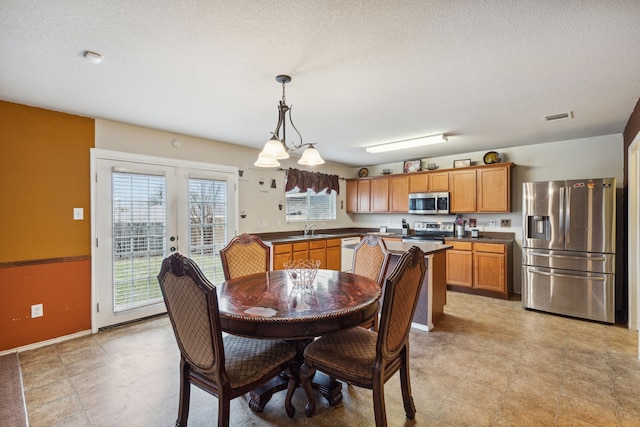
(491, 223)
(264, 224)
(258, 225)
(505, 223)
(37, 310)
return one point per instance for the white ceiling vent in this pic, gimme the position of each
(556, 117)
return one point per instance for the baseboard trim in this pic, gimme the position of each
(46, 343)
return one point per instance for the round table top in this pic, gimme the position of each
(268, 305)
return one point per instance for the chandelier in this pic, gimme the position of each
(276, 148)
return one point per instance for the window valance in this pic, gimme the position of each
(314, 180)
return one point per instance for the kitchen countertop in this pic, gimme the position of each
(486, 238)
(398, 248)
(288, 237)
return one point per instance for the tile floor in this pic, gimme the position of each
(487, 363)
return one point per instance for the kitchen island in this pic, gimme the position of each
(433, 294)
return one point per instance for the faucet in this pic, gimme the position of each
(309, 229)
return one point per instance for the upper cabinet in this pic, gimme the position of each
(462, 186)
(423, 182)
(494, 189)
(399, 193)
(438, 181)
(473, 189)
(368, 195)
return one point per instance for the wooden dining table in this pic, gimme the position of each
(269, 306)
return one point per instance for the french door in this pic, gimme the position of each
(144, 212)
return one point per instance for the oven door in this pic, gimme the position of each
(422, 203)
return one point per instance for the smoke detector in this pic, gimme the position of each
(92, 57)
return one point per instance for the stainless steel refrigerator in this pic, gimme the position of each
(568, 247)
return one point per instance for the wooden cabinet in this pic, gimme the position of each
(438, 181)
(494, 189)
(428, 181)
(380, 195)
(418, 183)
(333, 254)
(281, 254)
(480, 267)
(462, 185)
(399, 193)
(300, 250)
(364, 195)
(489, 266)
(368, 195)
(327, 251)
(459, 264)
(318, 252)
(473, 189)
(352, 195)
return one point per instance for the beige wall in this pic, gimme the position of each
(600, 156)
(596, 157)
(259, 202)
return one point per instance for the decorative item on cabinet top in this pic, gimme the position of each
(462, 163)
(492, 157)
(412, 166)
(363, 173)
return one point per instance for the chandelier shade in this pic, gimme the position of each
(277, 148)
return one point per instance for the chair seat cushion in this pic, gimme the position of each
(248, 359)
(352, 351)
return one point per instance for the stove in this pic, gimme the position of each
(431, 232)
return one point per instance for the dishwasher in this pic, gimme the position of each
(346, 252)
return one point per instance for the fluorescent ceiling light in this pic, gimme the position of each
(408, 143)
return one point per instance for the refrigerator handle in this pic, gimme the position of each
(564, 214)
(567, 256)
(571, 276)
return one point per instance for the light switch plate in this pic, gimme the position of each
(78, 214)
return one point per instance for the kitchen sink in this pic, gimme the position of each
(309, 237)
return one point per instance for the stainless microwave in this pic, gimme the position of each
(429, 203)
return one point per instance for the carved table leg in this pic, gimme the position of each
(261, 395)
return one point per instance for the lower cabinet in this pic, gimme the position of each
(318, 252)
(327, 251)
(479, 267)
(334, 255)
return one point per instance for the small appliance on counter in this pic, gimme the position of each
(475, 233)
(405, 227)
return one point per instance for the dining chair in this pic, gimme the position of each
(244, 255)
(366, 358)
(371, 259)
(225, 367)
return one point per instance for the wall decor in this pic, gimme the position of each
(462, 163)
(412, 166)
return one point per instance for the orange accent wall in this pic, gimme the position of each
(64, 289)
(44, 170)
(44, 174)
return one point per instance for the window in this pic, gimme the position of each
(310, 206)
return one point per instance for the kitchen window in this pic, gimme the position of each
(310, 206)
(318, 199)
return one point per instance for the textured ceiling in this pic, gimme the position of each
(364, 72)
